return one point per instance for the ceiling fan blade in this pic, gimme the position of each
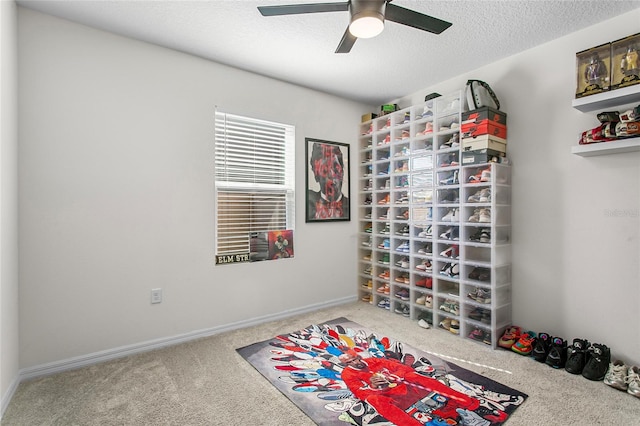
(296, 9)
(415, 19)
(347, 42)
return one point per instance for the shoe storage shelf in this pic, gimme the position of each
(619, 99)
(434, 235)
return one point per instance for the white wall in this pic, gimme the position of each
(116, 194)
(576, 220)
(8, 203)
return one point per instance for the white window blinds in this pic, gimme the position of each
(254, 179)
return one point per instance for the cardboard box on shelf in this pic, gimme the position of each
(471, 129)
(485, 113)
(368, 117)
(484, 142)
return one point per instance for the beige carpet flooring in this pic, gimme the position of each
(205, 382)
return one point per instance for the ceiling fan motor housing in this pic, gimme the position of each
(367, 9)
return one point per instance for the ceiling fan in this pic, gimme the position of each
(367, 18)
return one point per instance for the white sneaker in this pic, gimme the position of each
(475, 217)
(617, 375)
(428, 301)
(633, 381)
(451, 216)
(426, 233)
(481, 196)
(485, 195)
(485, 216)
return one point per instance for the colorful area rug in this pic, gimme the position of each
(340, 373)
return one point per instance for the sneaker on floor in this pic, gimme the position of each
(557, 357)
(542, 347)
(525, 343)
(599, 356)
(633, 379)
(577, 356)
(510, 337)
(617, 375)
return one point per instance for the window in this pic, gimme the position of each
(254, 179)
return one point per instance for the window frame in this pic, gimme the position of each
(242, 146)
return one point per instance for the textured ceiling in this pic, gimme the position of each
(300, 48)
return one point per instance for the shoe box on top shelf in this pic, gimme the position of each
(484, 135)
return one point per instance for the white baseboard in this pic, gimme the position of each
(110, 354)
(98, 357)
(6, 398)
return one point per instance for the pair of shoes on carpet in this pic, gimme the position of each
(624, 378)
(550, 350)
(592, 360)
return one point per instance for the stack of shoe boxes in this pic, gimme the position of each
(484, 135)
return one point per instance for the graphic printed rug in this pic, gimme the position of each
(341, 373)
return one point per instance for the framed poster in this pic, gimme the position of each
(327, 180)
(271, 245)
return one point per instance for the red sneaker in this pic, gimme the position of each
(525, 343)
(510, 336)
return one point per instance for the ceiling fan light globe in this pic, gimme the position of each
(366, 26)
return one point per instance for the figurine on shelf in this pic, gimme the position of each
(629, 62)
(596, 71)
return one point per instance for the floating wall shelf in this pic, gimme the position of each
(613, 99)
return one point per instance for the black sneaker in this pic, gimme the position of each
(542, 347)
(598, 362)
(577, 356)
(557, 357)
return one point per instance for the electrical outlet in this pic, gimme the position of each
(156, 295)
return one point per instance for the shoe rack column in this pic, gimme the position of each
(486, 266)
(445, 229)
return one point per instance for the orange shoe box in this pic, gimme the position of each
(472, 129)
(485, 113)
